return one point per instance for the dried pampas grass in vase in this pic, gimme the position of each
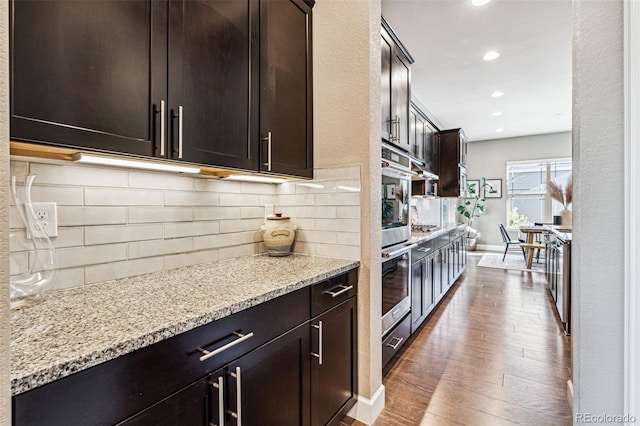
(563, 197)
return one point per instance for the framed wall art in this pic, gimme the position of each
(494, 190)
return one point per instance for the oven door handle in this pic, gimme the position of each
(396, 253)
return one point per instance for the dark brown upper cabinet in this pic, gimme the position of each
(421, 139)
(88, 74)
(286, 101)
(395, 89)
(200, 81)
(452, 145)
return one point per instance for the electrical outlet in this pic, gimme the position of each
(47, 218)
(268, 210)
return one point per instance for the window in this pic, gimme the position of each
(527, 199)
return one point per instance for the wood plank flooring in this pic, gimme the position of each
(492, 354)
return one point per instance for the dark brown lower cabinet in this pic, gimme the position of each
(334, 369)
(269, 378)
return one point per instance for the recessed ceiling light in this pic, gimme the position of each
(479, 2)
(496, 114)
(497, 94)
(500, 130)
(490, 56)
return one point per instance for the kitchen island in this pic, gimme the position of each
(65, 335)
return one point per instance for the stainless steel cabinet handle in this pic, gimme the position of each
(343, 289)
(268, 141)
(238, 413)
(220, 386)
(207, 354)
(162, 126)
(180, 128)
(398, 341)
(319, 354)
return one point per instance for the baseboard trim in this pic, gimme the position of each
(367, 410)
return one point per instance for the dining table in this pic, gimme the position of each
(530, 245)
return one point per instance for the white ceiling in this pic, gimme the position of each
(448, 38)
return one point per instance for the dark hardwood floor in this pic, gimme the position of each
(493, 353)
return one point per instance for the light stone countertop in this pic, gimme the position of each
(61, 333)
(419, 237)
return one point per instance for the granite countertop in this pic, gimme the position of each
(418, 237)
(60, 333)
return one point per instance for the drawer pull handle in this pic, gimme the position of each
(343, 289)
(397, 344)
(241, 338)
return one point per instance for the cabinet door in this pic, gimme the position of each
(88, 74)
(286, 88)
(413, 124)
(189, 406)
(417, 295)
(385, 88)
(418, 145)
(400, 82)
(334, 372)
(270, 386)
(213, 72)
(427, 283)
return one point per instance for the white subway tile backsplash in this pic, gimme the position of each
(190, 229)
(187, 259)
(252, 212)
(348, 212)
(190, 198)
(160, 214)
(296, 200)
(122, 197)
(128, 268)
(150, 180)
(317, 236)
(340, 225)
(216, 213)
(237, 251)
(239, 200)
(326, 212)
(75, 175)
(18, 263)
(258, 188)
(90, 255)
(348, 238)
(62, 195)
(68, 278)
(240, 225)
(80, 216)
(336, 250)
(339, 199)
(159, 247)
(117, 223)
(121, 233)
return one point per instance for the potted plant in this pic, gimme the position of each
(473, 207)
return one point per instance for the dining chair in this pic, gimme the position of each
(508, 242)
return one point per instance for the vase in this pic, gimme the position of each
(565, 218)
(472, 244)
(278, 234)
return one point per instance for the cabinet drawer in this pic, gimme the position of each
(396, 338)
(333, 291)
(440, 241)
(114, 390)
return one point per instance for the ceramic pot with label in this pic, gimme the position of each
(278, 234)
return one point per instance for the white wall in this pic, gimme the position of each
(346, 43)
(597, 263)
(489, 159)
(5, 328)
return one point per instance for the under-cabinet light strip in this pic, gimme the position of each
(135, 164)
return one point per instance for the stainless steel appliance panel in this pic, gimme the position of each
(396, 285)
(396, 195)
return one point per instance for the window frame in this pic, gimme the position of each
(548, 201)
